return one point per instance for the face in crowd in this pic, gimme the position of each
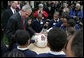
(14, 4)
(56, 16)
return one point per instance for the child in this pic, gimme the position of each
(56, 21)
(23, 39)
(57, 39)
(45, 27)
(28, 26)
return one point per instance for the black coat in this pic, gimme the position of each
(15, 23)
(7, 14)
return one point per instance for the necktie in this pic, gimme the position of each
(14, 11)
(23, 24)
(19, 7)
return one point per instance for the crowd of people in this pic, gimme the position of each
(62, 21)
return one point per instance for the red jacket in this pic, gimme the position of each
(45, 15)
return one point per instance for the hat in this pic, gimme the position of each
(40, 5)
(77, 4)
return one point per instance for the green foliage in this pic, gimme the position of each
(5, 39)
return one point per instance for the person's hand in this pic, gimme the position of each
(44, 33)
(74, 17)
(37, 33)
(36, 40)
(40, 11)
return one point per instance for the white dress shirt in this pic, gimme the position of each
(13, 10)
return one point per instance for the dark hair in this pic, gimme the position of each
(57, 39)
(71, 22)
(47, 20)
(77, 43)
(22, 36)
(13, 53)
(29, 18)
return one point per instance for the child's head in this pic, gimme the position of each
(71, 22)
(29, 21)
(57, 39)
(22, 37)
(56, 15)
(46, 23)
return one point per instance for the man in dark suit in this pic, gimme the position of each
(17, 21)
(9, 12)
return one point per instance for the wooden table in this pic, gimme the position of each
(37, 49)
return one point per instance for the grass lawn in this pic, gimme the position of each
(5, 39)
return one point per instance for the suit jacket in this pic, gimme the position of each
(37, 26)
(49, 55)
(7, 14)
(15, 23)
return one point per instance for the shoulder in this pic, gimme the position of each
(7, 10)
(81, 11)
(14, 16)
(30, 52)
(42, 55)
(52, 20)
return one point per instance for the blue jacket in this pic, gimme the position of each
(64, 27)
(77, 27)
(49, 55)
(79, 14)
(27, 52)
(55, 24)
